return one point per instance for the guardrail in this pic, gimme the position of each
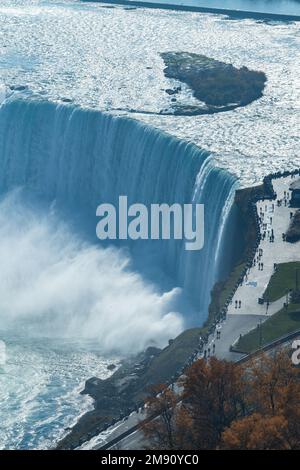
(277, 342)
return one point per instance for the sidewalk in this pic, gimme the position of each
(277, 252)
(242, 319)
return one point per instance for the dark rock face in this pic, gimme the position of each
(18, 87)
(127, 388)
(173, 91)
(293, 233)
(219, 86)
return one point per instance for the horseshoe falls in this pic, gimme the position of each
(67, 298)
(80, 158)
(86, 117)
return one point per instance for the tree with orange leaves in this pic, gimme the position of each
(168, 425)
(271, 377)
(257, 432)
(274, 393)
(225, 405)
(159, 429)
(214, 395)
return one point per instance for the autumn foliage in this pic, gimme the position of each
(222, 405)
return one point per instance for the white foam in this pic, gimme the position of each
(54, 284)
(2, 353)
(2, 93)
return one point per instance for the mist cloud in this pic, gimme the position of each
(52, 283)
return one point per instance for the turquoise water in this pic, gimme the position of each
(285, 7)
(40, 382)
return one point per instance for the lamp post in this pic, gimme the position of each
(260, 332)
(267, 305)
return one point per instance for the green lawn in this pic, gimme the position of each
(280, 324)
(284, 278)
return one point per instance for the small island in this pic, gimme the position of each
(217, 85)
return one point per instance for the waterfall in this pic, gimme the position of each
(81, 158)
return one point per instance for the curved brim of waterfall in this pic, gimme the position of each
(76, 159)
(58, 282)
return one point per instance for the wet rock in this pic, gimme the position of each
(18, 87)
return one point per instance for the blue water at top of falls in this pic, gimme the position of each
(286, 7)
(81, 158)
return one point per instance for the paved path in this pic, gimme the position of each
(242, 320)
(230, 329)
(116, 430)
(257, 280)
